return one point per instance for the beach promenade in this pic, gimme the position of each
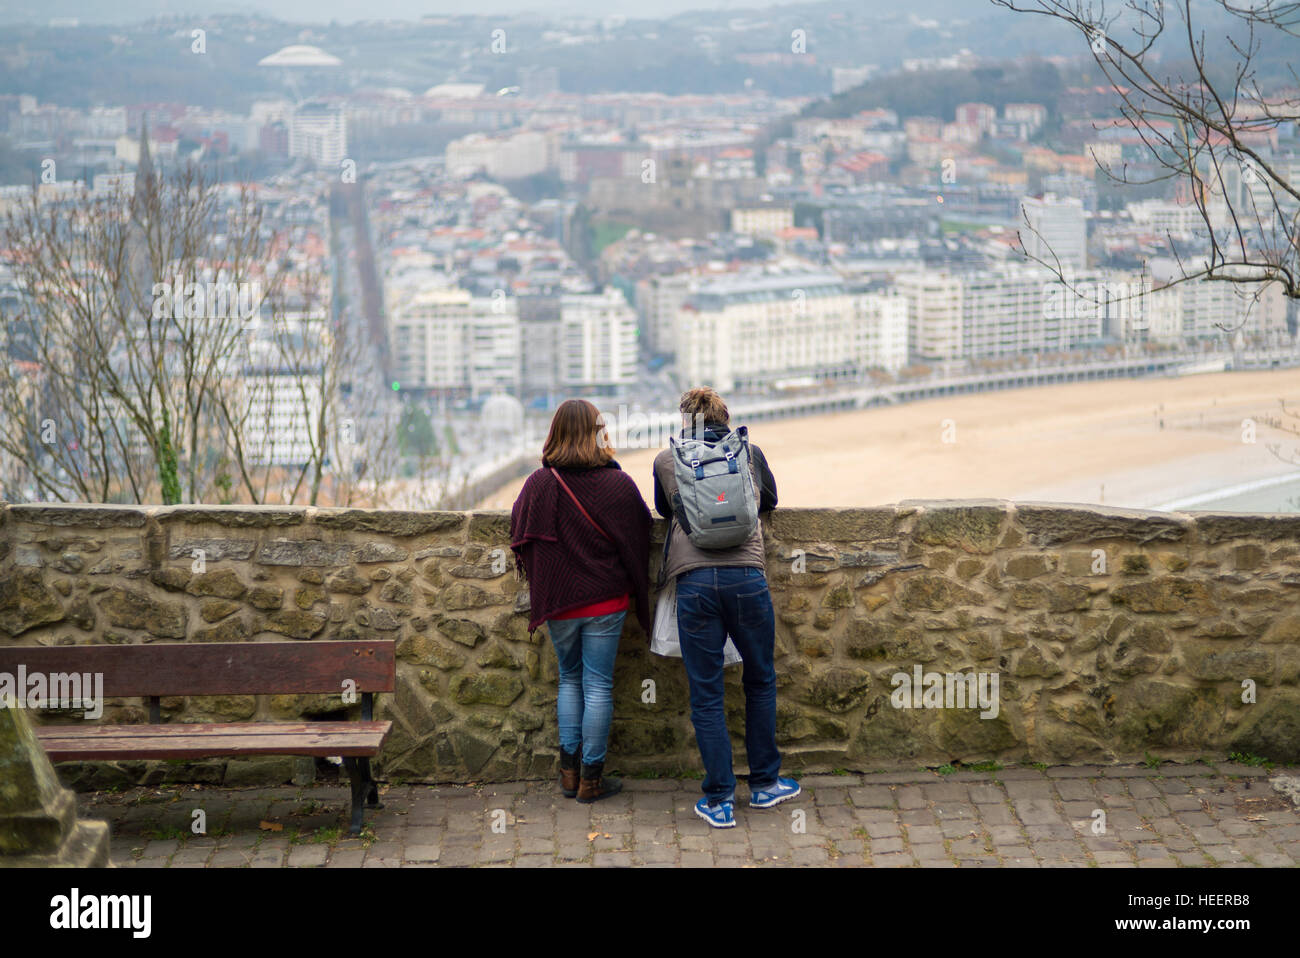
(1143, 443)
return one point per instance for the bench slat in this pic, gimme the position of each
(216, 668)
(109, 742)
(92, 731)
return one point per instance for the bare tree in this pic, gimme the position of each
(128, 313)
(166, 345)
(159, 347)
(1288, 422)
(1206, 127)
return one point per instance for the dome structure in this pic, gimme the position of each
(300, 55)
(502, 416)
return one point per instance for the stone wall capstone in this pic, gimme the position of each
(1111, 633)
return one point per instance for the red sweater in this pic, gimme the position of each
(608, 607)
(568, 563)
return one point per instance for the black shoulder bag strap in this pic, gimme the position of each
(663, 563)
(565, 486)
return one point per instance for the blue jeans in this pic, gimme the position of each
(586, 649)
(712, 603)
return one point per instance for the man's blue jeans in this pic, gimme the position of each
(586, 649)
(712, 603)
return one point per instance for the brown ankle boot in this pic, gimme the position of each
(595, 785)
(569, 764)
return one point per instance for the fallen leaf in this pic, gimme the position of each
(270, 826)
(592, 835)
(608, 835)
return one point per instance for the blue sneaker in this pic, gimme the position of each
(719, 816)
(784, 790)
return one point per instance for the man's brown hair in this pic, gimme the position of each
(578, 438)
(704, 402)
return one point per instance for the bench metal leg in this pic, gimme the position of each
(360, 788)
(364, 790)
(372, 795)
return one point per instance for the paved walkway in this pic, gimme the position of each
(1190, 815)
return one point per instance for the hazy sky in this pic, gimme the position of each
(349, 10)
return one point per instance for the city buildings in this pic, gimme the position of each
(454, 344)
(318, 132)
(1014, 309)
(1055, 232)
(934, 315)
(762, 331)
(761, 220)
(504, 157)
(658, 299)
(597, 341)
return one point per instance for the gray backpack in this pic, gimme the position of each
(715, 500)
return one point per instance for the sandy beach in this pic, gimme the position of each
(1095, 442)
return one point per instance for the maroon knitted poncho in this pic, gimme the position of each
(568, 563)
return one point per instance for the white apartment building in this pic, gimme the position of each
(1050, 315)
(1183, 220)
(1161, 316)
(1003, 314)
(1268, 314)
(106, 122)
(761, 220)
(444, 339)
(282, 411)
(934, 313)
(1014, 309)
(121, 184)
(598, 341)
(733, 165)
(1209, 305)
(1106, 154)
(751, 332)
(284, 400)
(658, 298)
(319, 132)
(540, 325)
(506, 157)
(126, 148)
(879, 338)
(1055, 231)
(1034, 114)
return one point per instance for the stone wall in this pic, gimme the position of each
(1113, 633)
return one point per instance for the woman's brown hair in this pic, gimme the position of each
(578, 438)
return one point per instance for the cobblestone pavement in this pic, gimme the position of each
(1171, 816)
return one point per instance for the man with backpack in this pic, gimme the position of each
(711, 484)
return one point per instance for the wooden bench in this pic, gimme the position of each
(223, 668)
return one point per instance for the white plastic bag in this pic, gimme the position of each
(664, 641)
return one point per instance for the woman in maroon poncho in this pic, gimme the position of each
(581, 535)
